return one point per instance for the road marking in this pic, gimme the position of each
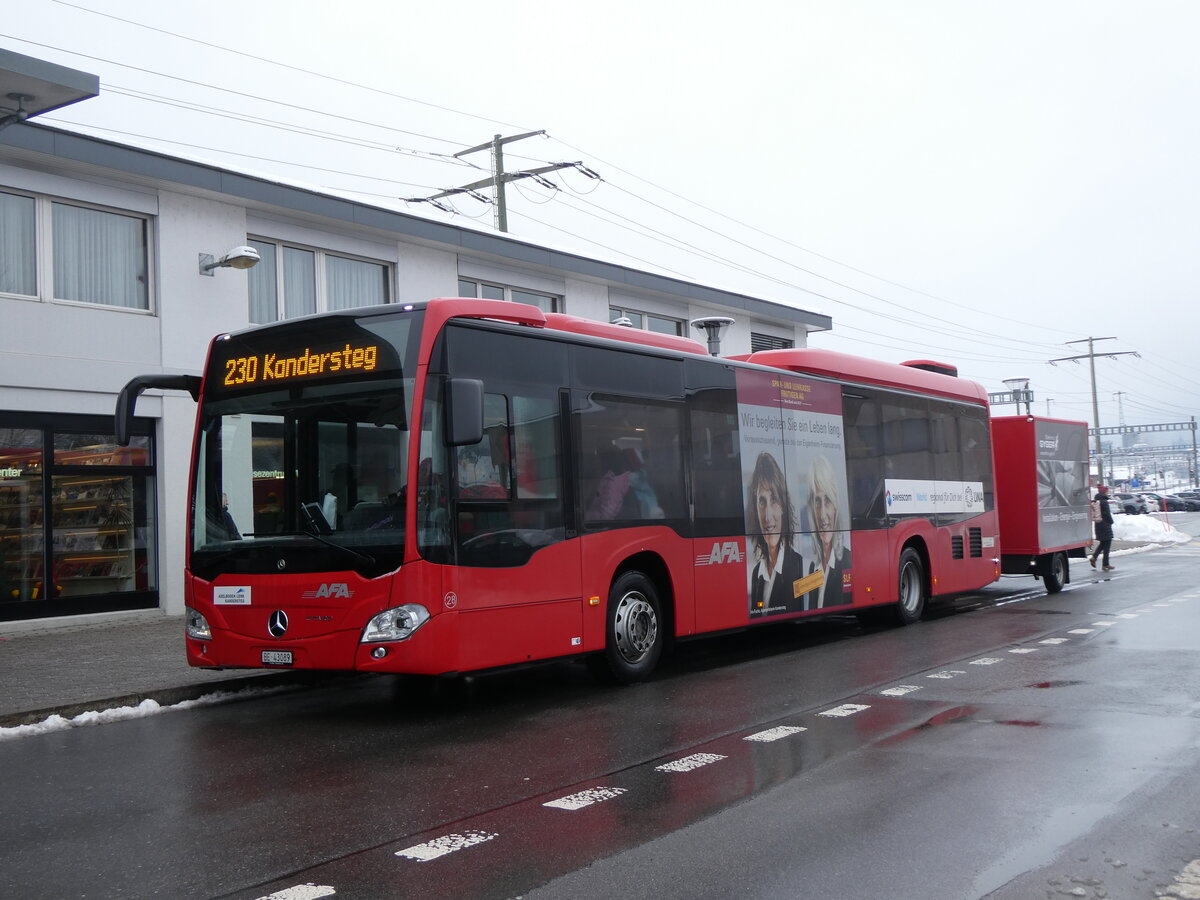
(1054, 641)
(774, 734)
(846, 709)
(900, 690)
(308, 891)
(1127, 615)
(985, 661)
(1081, 631)
(947, 674)
(1105, 623)
(1023, 650)
(1187, 883)
(447, 843)
(1163, 604)
(586, 798)
(688, 763)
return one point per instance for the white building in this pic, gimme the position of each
(101, 280)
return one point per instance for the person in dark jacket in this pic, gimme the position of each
(1104, 530)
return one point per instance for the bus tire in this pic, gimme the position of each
(1056, 573)
(634, 636)
(911, 603)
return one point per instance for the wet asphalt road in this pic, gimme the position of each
(1012, 746)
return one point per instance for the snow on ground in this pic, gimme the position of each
(1147, 529)
(121, 713)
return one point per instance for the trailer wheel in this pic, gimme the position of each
(1056, 573)
(911, 605)
(635, 633)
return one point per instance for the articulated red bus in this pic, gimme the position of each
(464, 484)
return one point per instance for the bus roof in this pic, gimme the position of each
(845, 367)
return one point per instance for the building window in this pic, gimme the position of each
(77, 517)
(545, 302)
(297, 281)
(647, 321)
(99, 256)
(769, 342)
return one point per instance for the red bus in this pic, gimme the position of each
(461, 484)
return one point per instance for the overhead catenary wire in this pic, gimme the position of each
(1002, 343)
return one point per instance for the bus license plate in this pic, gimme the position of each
(277, 657)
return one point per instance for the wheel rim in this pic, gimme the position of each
(635, 627)
(910, 588)
(1060, 569)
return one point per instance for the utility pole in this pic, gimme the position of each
(1090, 356)
(500, 178)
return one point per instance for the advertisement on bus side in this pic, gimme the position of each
(797, 507)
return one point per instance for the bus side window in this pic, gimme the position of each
(633, 467)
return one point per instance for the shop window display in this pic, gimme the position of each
(76, 522)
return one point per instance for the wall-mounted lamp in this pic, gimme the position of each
(713, 327)
(237, 258)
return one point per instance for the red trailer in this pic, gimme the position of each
(1042, 496)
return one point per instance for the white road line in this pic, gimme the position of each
(1054, 641)
(984, 661)
(688, 763)
(947, 674)
(1104, 624)
(1023, 650)
(1127, 615)
(586, 798)
(308, 891)
(447, 843)
(900, 690)
(1081, 631)
(774, 734)
(846, 709)
(1187, 883)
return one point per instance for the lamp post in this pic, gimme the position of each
(1020, 391)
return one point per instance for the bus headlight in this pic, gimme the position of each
(197, 626)
(396, 624)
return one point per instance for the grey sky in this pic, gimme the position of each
(976, 183)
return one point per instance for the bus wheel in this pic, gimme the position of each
(635, 628)
(1056, 573)
(912, 587)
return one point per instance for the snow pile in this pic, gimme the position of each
(121, 713)
(1147, 530)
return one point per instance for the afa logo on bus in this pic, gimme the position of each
(727, 552)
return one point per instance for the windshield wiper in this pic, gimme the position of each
(365, 557)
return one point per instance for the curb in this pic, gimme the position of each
(168, 696)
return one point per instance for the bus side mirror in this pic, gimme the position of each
(464, 411)
(123, 416)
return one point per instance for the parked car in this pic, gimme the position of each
(1151, 502)
(1130, 504)
(1168, 502)
(1190, 504)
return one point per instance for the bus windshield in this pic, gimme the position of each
(303, 447)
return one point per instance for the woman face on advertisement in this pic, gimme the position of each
(823, 504)
(824, 510)
(770, 515)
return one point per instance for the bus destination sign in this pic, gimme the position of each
(261, 369)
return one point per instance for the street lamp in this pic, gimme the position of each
(1020, 391)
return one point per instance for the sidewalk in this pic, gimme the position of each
(99, 662)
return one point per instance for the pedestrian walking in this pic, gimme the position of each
(1104, 529)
